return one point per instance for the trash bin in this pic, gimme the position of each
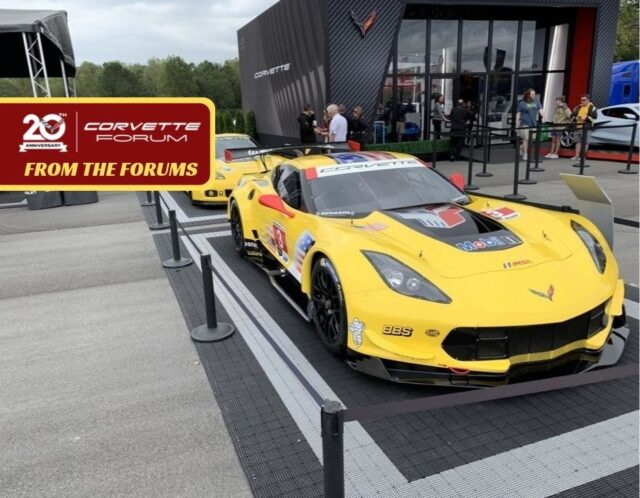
(76, 198)
(43, 199)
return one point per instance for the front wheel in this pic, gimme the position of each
(329, 310)
(236, 230)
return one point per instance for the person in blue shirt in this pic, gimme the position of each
(529, 110)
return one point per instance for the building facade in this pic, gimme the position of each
(393, 57)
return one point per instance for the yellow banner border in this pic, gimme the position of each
(120, 100)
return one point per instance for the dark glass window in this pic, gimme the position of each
(412, 41)
(475, 35)
(532, 49)
(504, 44)
(444, 46)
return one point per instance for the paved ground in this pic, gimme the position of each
(101, 391)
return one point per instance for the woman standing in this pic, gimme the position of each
(562, 116)
(437, 116)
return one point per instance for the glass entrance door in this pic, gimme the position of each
(439, 86)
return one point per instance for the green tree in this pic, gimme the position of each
(227, 122)
(627, 32)
(152, 77)
(177, 78)
(239, 117)
(117, 80)
(250, 124)
(87, 76)
(231, 72)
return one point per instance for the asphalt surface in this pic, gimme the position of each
(102, 392)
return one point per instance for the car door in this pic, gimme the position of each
(617, 117)
(284, 226)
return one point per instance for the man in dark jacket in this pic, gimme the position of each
(459, 117)
(307, 125)
(358, 126)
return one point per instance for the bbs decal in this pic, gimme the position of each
(397, 330)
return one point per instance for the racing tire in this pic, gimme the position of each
(237, 233)
(329, 309)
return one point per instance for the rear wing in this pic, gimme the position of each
(289, 152)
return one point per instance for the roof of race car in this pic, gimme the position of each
(327, 160)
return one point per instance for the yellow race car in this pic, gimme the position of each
(236, 155)
(413, 280)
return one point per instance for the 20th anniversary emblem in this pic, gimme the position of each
(107, 144)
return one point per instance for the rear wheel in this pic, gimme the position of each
(329, 310)
(236, 230)
(567, 140)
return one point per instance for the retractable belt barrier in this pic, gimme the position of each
(333, 416)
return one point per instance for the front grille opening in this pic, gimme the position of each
(491, 343)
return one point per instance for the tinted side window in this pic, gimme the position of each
(288, 186)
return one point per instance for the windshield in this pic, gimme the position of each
(232, 143)
(360, 191)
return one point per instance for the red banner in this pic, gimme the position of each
(106, 144)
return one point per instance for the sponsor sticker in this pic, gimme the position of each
(503, 213)
(488, 243)
(107, 144)
(356, 327)
(514, 264)
(441, 217)
(397, 330)
(347, 168)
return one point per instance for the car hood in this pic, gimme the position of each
(455, 241)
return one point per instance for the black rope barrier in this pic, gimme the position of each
(333, 416)
(537, 168)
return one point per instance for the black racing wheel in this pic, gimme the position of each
(329, 310)
(236, 230)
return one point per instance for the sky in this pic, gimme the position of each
(136, 31)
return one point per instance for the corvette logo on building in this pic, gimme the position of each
(366, 24)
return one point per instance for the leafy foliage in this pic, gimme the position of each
(627, 33)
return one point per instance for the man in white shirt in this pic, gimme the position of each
(338, 125)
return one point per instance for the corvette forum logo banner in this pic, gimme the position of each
(106, 143)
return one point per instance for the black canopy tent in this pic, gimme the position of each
(36, 44)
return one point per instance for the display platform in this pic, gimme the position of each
(271, 376)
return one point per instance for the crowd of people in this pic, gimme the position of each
(335, 126)
(338, 126)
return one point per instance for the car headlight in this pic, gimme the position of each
(219, 176)
(593, 246)
(403, 279)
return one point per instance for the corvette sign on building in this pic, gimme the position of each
(113, 144)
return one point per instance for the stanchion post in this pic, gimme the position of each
(213, 330)
(176, 261)
(332, 428)
(537, 168)
(516, 175)
(484, 173)
(160, 224)
(632, 143)
(527, 174)
(434, 154)
(470, 185)
(583, 153)
(148, 201)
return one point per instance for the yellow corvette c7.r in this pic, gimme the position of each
(231, 166)
(413, 280)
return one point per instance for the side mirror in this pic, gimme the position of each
(274, 202)
(457, 180)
